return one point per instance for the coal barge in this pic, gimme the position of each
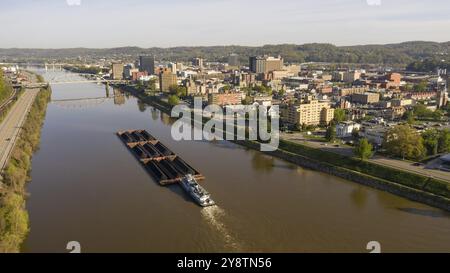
(161, 163)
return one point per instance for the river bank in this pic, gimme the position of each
(412, 186)
(14, 223)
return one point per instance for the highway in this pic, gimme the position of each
(11, 125)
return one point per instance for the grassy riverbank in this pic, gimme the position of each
(13, 215)
(407, 179)
(410, 185)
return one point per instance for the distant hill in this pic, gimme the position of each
(402, 53)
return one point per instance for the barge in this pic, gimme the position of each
(163, 165)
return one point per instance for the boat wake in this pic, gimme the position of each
(214, 215)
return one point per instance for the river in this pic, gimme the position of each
(87, 187)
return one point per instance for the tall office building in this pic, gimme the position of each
(197, 62)
(117, 71)
(166, 79)
(442, 98)
(128, 71)
(147, 63)
(173, 67)
(233, 60)
(442, 94)
(273, 64)
(180, 66)
(352, 76)
(257, 64)
(265, 64)
(444, 74)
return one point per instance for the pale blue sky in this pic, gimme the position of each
(168, 23)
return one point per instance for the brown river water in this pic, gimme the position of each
(87, 187)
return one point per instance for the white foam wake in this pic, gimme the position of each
(214, 215)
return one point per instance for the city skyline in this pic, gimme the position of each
(109, 24)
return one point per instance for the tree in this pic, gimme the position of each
(431, 141)
(151, 85)
(437, 141)
(437, 115)
(247, 101)
(429, 64)
(174, 100)
(421, 87)
(422, 111)
(447, 108)
(409, 87)
(140, 86)
(355, 134)
(331, 133)
(173, 89)
(339, 115)
(364, 149)
(226, 88)
(247, 91)
(262, 89)
(179, 91)
(409, 116)
(405, 142)
(444, 141)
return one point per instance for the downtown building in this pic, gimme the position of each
(265, 64)
(222, 99)
(198, 62)
(128, 71)
(166, 79)
(366, 98)
(147, 64)
(117, 71)
(309, 112)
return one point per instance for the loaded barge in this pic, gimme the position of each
(164, 165)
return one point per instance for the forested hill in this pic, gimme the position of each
(403, 53)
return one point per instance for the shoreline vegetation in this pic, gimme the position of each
(415, 187)
(4, 112)
(14, 222)
(6, 91)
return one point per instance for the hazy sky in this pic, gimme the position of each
(168, 23)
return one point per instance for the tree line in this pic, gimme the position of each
(5, 88)
(402, 53)
(13, 215)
